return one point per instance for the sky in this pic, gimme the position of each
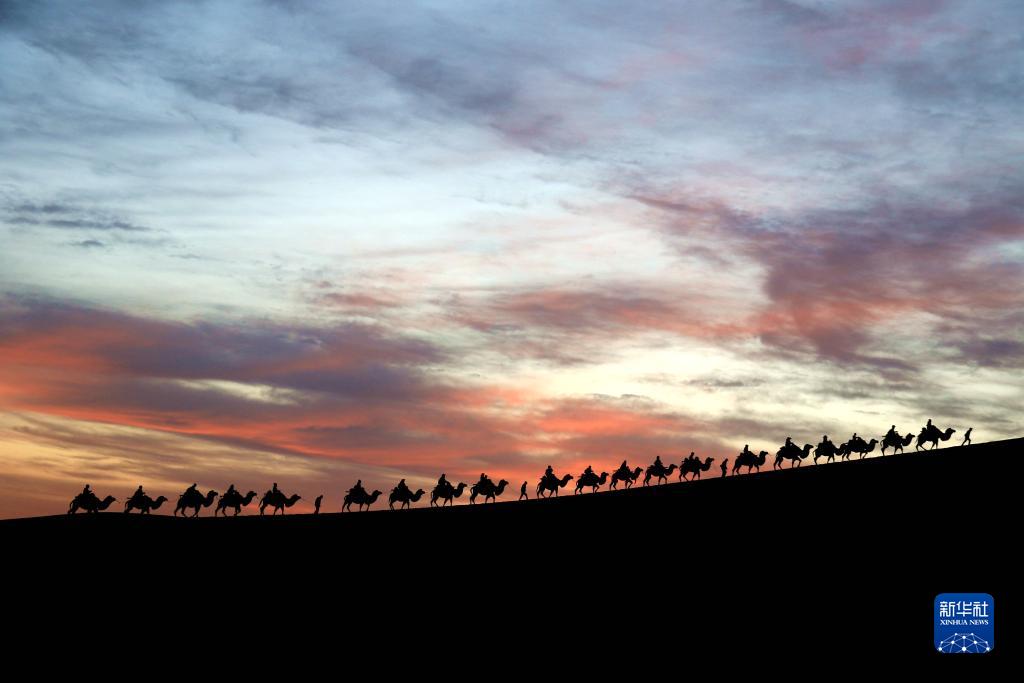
(316, 242)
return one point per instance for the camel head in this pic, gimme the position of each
(293, 499)
(210, 495)
(105, 503)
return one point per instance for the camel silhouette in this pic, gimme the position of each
(896, 442)
(857, 445)
(90, 503)
(629, 477)
(144, 504)
(404, 497)
(749, 460)
(694, 466)
(792, 453)
(195, 500)
(277, 501)
(235, 500)
(932, 436)
(592, 480)
(446, 493)
(825, 449)
(360, 498)
(488, 490)
(661, 474)
(551, 485)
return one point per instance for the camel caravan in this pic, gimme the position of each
(192, 501)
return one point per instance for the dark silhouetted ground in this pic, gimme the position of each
(840, 560)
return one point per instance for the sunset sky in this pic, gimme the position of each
(247, 242)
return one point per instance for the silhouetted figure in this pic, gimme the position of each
(658, 471)
(442, 482)
(486, 488)
(135, 497)
(446, 493)
(967, 437)
(233, 500)
(626, 475)
(522, 492)
(192, 498)
(591, 480)
(893, 440)
(825, 449)
(725, 466)
(402, 494)
(744, 454)
(144, 504)
(931, 434)
(693, 465)
(790, 451)
(747, 459)
(230, 492)
(316, 504)
(87, 500)
(358, 495)
(276, 499)
(551, 483)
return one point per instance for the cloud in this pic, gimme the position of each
(67, 217)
